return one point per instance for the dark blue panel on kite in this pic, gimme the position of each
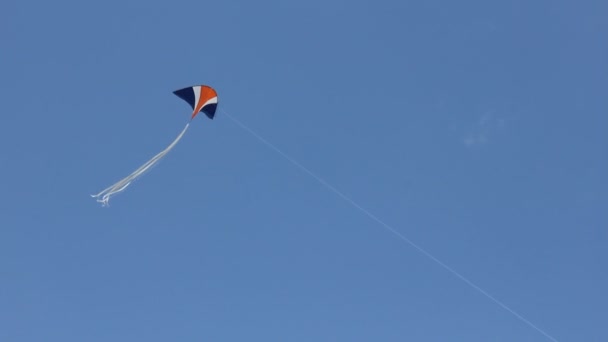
(209, 110)
(186, 94)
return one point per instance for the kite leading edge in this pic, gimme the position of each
(201, 98)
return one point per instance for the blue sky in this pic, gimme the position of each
(477, 129)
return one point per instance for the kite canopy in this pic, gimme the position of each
(201, 98)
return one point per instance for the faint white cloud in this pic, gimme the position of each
(475, 140)
(480, 132)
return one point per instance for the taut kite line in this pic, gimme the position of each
(201, 98)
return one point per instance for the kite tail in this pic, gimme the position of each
(104, 196)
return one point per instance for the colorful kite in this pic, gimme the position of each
(201, 98)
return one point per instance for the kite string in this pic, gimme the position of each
(125, 182)
(388, 227)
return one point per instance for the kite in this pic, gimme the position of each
(201, 98)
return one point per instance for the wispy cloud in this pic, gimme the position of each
(480, 132)
(472, 140)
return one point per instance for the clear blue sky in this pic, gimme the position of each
(478, 129)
